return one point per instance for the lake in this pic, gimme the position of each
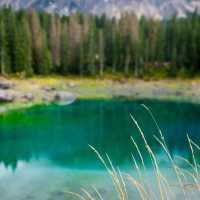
(44, 150)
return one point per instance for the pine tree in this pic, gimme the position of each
(2, 45)
(54, 40)
(101, 52)
(64, 49)
(23, 53)
(115, 45)
(92, 49)
(42, 61)
(194, 41)
(127, 61)
(174, 46)
(159, 43)
(10, 39)
(43, 43)
(81, 58)
(84, 29)
(74, 40)
(46, 58)
(36, 37)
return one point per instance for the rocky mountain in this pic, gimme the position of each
(113, 8)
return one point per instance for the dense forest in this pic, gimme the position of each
(34, 42)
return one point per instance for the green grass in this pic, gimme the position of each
(186, 179)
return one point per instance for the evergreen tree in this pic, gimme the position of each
(81, 58)
(64, 49)
(83, 42)
(92, 56)
(74, 40)
(159, 43)
(42, 61)
(46, 58)
(9, 18)
(23, 53)
(2, 45)
(54, 40)
(36, 37)
(174, 45)
(115, 47)
(101, 52)
(41, 43)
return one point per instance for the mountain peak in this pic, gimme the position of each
(112, 8)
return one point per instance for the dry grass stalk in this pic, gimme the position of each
(188, 179)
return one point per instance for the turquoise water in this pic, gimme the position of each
(45, 148)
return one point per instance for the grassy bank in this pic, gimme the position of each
(43, 88)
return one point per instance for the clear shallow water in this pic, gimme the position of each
(45, 148)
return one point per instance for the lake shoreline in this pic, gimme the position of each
(24, 93)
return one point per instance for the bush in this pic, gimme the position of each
(156, 70)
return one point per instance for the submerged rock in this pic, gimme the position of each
(28, 97)
(64, 97)
(6, 85)
(6, 97)
(161, 92)
(48, 88)
(179, 93)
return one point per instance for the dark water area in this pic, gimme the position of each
(38, 144)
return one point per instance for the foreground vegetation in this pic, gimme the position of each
(184, 185)
(34, 42)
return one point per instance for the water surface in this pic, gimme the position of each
(45, 148)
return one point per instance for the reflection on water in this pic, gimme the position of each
(61, 134)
